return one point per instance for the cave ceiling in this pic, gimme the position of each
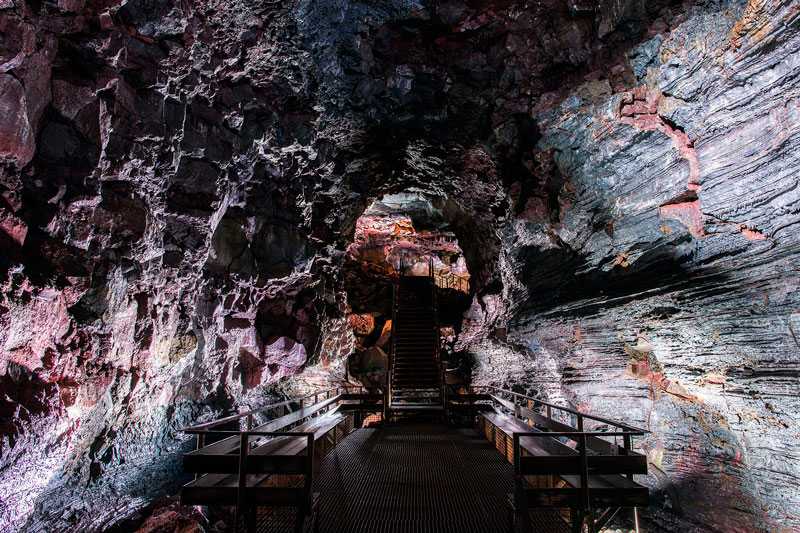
(184, 187)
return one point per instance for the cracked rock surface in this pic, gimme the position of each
(180, 183)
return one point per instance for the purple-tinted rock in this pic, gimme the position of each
(179, 185)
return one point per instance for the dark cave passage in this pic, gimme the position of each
(401, 234)
(207, 207)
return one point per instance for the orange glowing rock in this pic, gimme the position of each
(752, 234)
(362, 324)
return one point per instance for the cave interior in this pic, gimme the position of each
(210, 207)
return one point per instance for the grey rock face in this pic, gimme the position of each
(179, 182)
(677, 310)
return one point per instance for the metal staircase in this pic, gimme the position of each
(415, 374)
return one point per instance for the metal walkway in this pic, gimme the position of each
(310, 468)
(414, 479)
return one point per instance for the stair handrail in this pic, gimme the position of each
(392, 347)
(208, 426)
(631, 430)
(437, 355)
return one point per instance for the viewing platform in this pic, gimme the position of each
(497, 461)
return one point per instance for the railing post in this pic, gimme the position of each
(309, 475)
(244, 441)
(520, 498)
(585, 503)
(201, 442)
(627, 446)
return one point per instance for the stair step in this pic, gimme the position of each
(428, 407)
(415, 346)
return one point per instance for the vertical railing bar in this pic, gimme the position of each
(309, 474)
(585, 503)
(627, 447)
(244, 440)
(201, 442)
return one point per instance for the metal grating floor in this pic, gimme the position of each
(417, 478)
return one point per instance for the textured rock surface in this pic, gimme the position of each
(679, 306)
(179, 182)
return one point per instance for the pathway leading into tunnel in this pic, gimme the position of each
(416, 478)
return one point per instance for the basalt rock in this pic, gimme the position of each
(180, 184)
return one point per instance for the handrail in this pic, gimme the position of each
(580, 437)
(244, 449)
(213, 423)
(437, 349)
(576, 433)
(257, 433)
(441, 280)
(451, 281)
(387, 402)
(628, 427)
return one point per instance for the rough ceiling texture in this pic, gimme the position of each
(179, 182)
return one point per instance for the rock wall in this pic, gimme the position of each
(179, 182)
(679, 309)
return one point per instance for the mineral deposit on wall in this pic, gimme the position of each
(180, 183)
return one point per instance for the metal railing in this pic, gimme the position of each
(387, 402)
(451, 281)
(584, 440)
(579, 417)
(244, 451)
(437, 353)
(581, 438)
(207, 428)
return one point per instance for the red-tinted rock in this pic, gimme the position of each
(17, 130)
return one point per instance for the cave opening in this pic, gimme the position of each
(206, 209)
(405, 233)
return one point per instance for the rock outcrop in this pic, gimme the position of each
(180, 181)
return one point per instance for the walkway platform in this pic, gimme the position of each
(495, 462)
(418, 478)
